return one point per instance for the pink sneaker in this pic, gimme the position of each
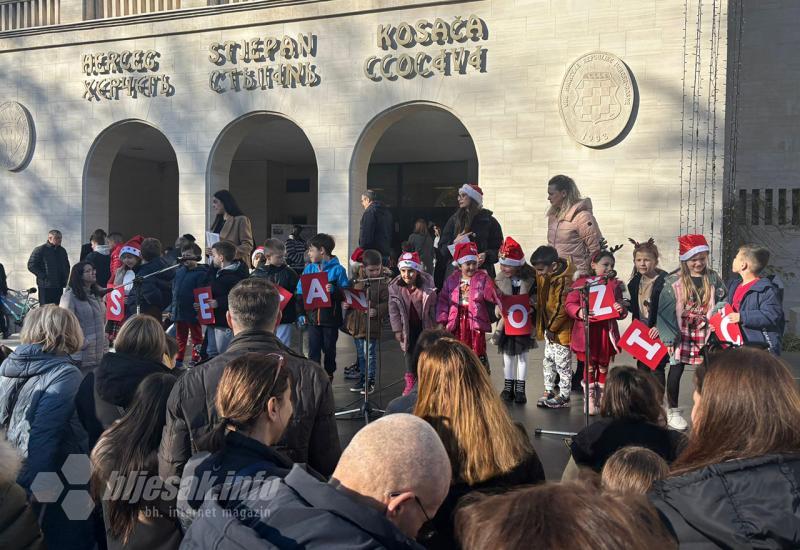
(410, 381)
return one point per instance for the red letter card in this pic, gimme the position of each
(315, 291)
(115, 305)
(356, 299)
(205, 315)
(285, 296)
(601, 302)
(516, 317)
(724, 329)
(643, 348)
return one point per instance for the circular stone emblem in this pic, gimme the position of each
(596, 98)
(16, 136)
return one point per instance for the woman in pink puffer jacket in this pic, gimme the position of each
(571, 227)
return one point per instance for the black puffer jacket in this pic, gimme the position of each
(285, 277)
(655, 294)
(750, 503)
(50, 264)
(488, 236)
(376, 228)
(310, 437)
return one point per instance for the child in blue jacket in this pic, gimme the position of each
(324, 323)
(188, 277)
(756, 301)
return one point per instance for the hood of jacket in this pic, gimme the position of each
(29, 360)
(103, 249)
(10, 462)
(427, 282)
(118, 376)
(747, 503)
(583, 205)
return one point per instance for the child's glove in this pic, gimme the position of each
(301, 321)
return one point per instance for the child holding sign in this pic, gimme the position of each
(516, 278)
(645, 286)
(189, 276)
(130, 254)
(412, 309)
(226, 273)
(324, 319)
(462, 303)
(273, 268)
(378, 301)
(603, 332)
(685, 306)
(756, 301)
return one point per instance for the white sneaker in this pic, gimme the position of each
(675, 420)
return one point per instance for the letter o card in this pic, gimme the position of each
(315, 291)
(205, 315)
(285, 296)
(516, 317)
(115, 305)
(643, 348)
(724, 329)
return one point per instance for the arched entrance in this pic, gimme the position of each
(415, 157)
(269, 165)
(131, 183)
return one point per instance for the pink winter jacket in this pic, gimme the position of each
(575, 303)
(481, 290)
(400, 306)
(576, 236)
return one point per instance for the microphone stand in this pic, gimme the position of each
(367, 408)
(584, 290)
(137, 282)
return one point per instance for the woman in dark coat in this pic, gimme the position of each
(737, 484)
(422, 244)
(472, 222)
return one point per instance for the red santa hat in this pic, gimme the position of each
(132, 247)
(466, 252)
(357, 256)
(409, 260)
(511, 253)
(259, 250)
(691, 245)
(472, 191)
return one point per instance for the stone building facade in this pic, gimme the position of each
(320, 83)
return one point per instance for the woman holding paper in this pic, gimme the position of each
(230, 224)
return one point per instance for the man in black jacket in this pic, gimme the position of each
(376, 226)
(312, 437)
(390, 480)
(50, 263)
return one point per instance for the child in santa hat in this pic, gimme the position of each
(131, 257)
(412, 308)
(462, 303)
(603, 334)
(516, 277)
(687, 302)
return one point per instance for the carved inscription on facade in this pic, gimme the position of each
(596, 99)
(264, 63)
(458, 53)
(16, 136)
(132, 73)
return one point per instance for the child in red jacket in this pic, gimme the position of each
(603, 335)
(462, 304)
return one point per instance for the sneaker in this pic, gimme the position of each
(557, 402)
(370, 389)
(547, 395)
(675, 420)
(352, 372)
(359, 387)
(410, 381)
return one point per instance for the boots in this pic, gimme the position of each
(410, 381)
(592, 397)
(485, 362)
(508, 391)
(599, 389)
(519, 392)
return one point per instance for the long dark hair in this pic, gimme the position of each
(229, 204)
(129, 446)
(464, 216)
(731, 421)
(631, 394)
(75, 282)
(247, 384)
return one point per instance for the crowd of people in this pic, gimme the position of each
(222, 434)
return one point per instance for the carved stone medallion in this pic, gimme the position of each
(16, 136)
(596, 99)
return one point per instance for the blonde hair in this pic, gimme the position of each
(456, 398)
(633, 470)
(689, 293)
(142, 336)
(55, 328)
(566, 184)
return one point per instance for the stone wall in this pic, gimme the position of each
(510, 110)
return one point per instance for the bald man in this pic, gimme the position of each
(390, 480)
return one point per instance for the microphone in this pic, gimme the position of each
(32, 290)
(189, 259)
(610, 275)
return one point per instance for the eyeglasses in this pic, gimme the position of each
(416, 498)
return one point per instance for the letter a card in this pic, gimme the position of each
(315, 291)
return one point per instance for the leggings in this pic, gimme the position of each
(522, 366)
(660, 377)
